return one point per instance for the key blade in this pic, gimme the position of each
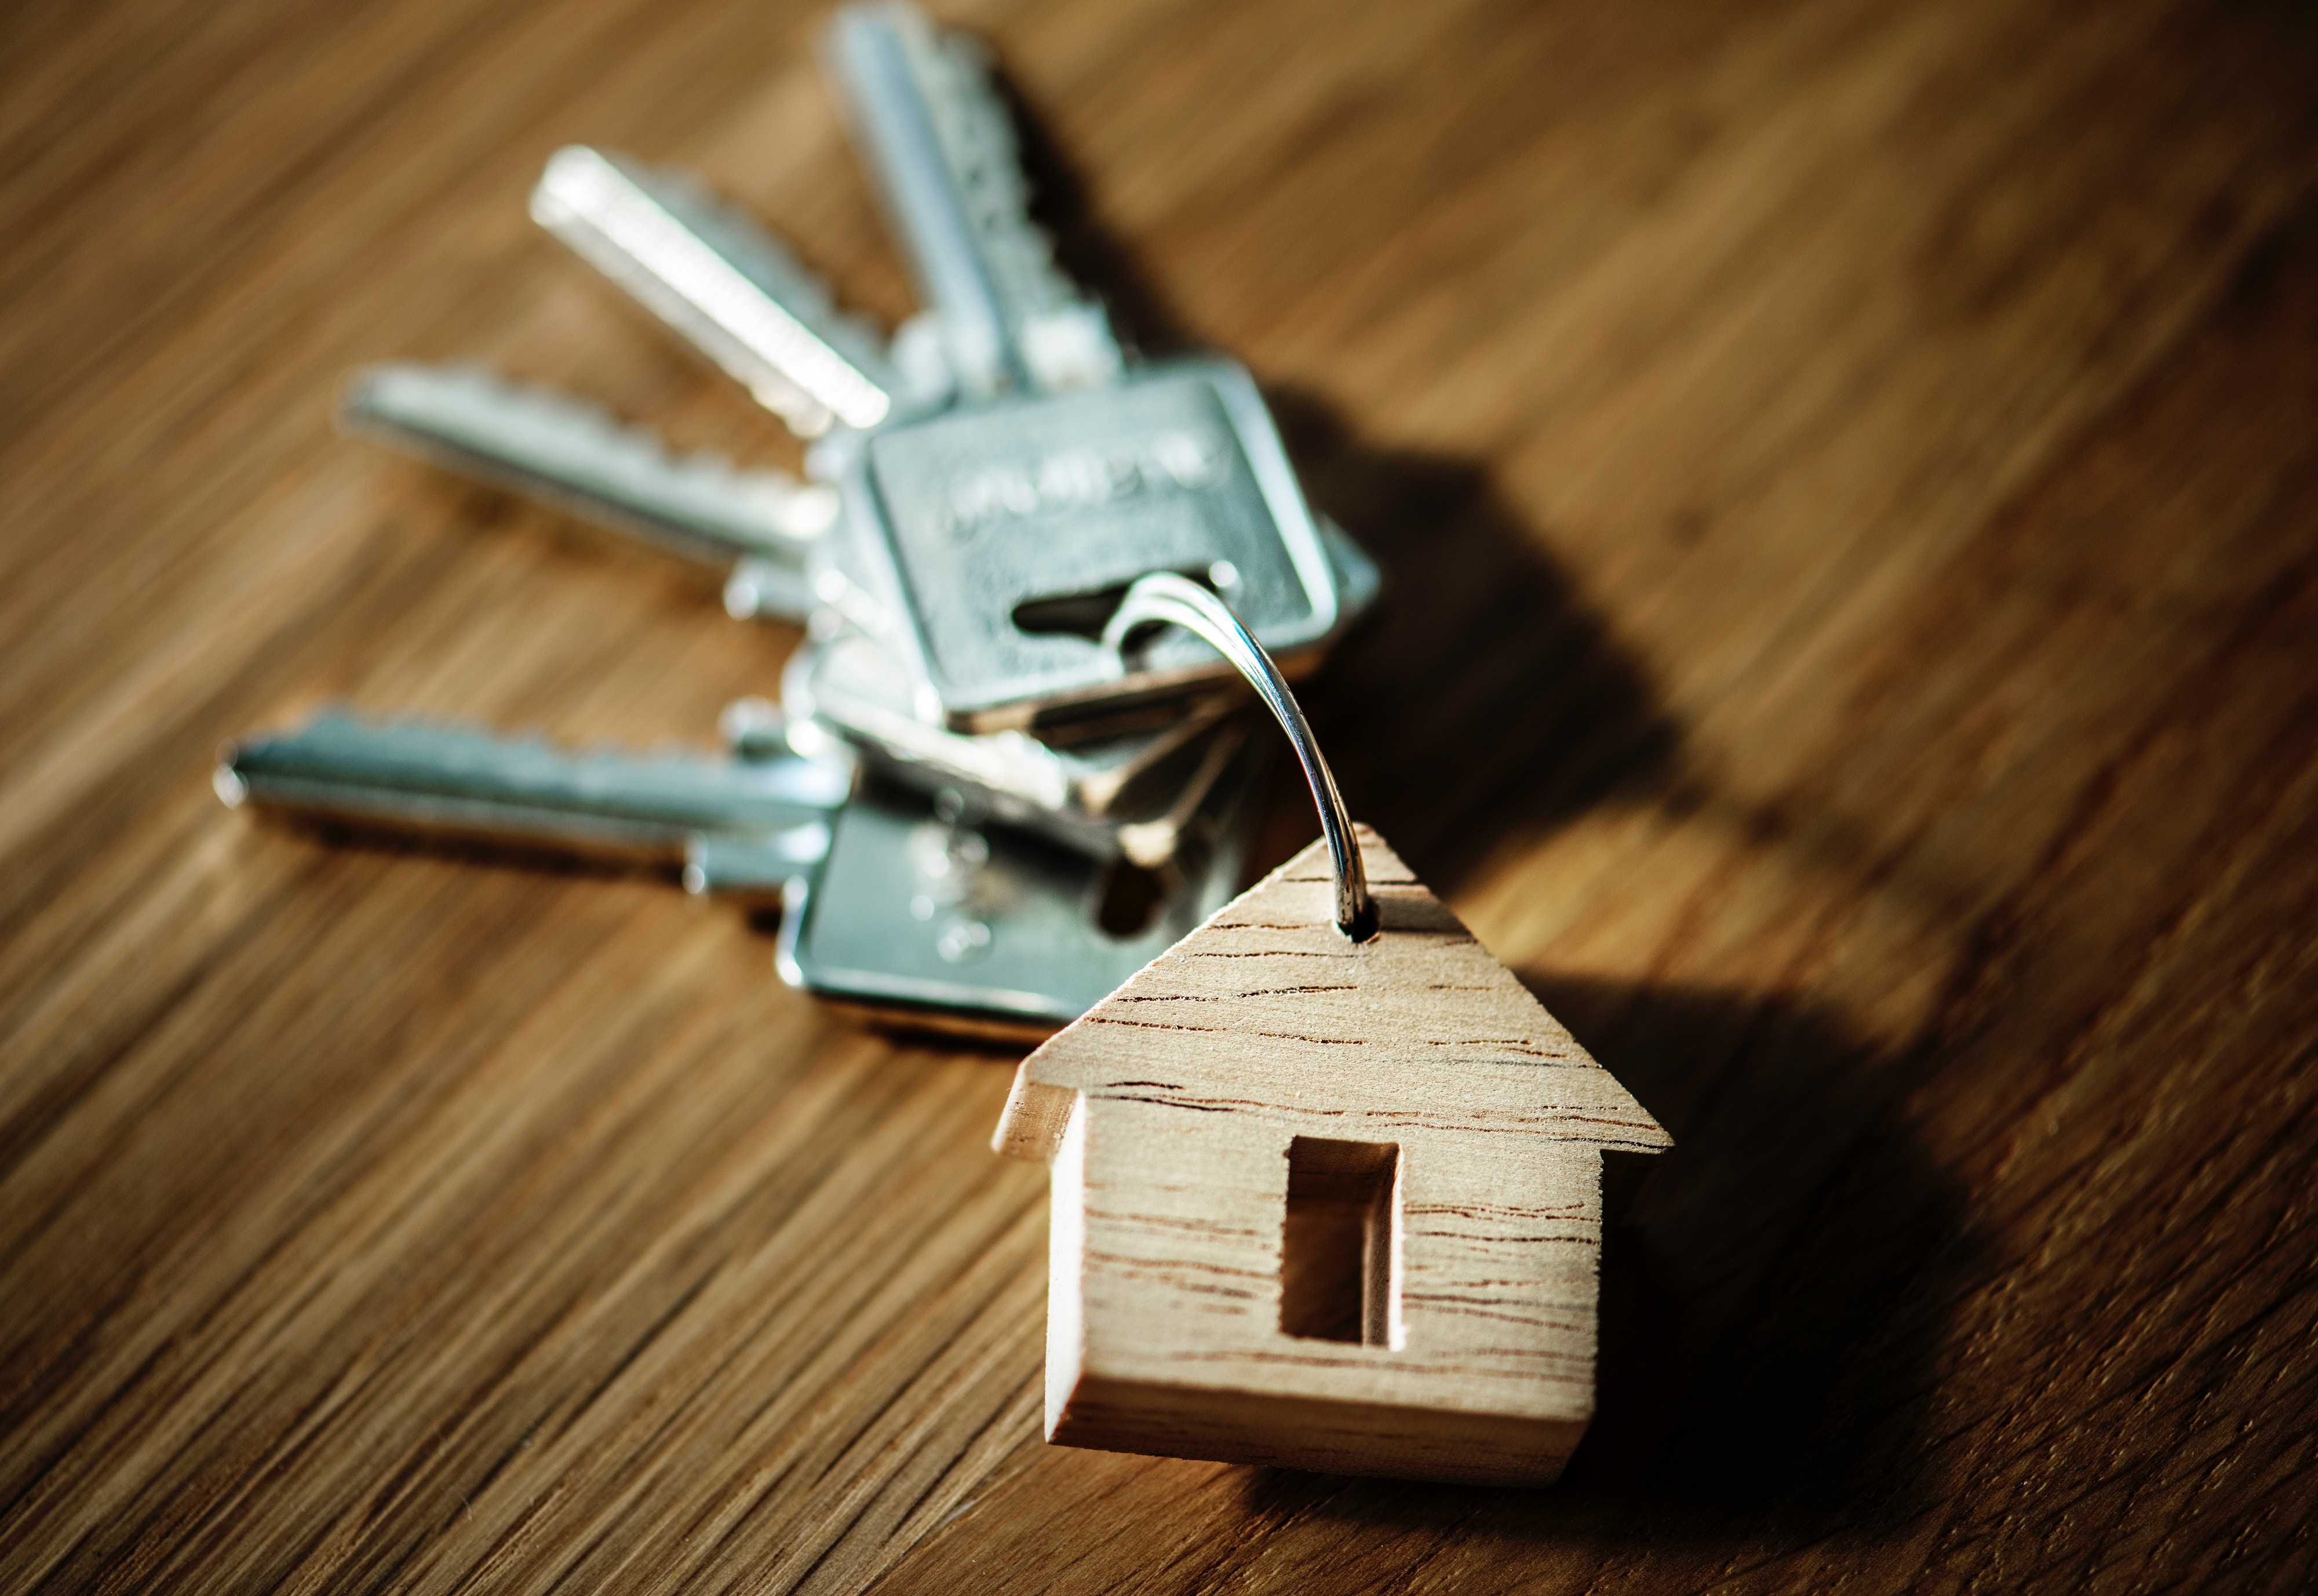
(436, 780)
(575, 457)
(942, 147)
(720, 283)
(879, 55)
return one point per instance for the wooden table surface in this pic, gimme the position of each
(1846, 473)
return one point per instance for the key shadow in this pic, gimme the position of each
(1482, 698)
(1774, 1298)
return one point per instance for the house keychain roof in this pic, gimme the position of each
(1320, 1202)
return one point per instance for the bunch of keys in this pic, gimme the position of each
(976, 814)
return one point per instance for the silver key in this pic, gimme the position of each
(993, 539)
(768, 820)
(996, 535)
(1155, 840)
(943, 148)
(1109, 773)
(720, 283)
(920, 913)
(1078, 795)
(759, 525)
(987, 530)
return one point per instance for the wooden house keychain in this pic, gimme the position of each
(1327, 1178)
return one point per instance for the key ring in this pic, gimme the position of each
(1165, 598)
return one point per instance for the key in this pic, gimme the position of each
(997, 534)
(1152, 842)
(758, 525)
(943, 145)
(723, 284)
(1109, 774)
(984, 546)
(921, 913)
(999, 538)
(1078, 795)
(832, 576)
(943, 148)
(737, 824)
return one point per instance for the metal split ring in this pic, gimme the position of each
(1165, 598)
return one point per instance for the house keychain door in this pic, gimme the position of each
(1327, 1178)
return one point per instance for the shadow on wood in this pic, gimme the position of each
(1773, 1300)
(1485, 697)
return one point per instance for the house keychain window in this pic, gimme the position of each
(1340, 1243)
(1327, 1178)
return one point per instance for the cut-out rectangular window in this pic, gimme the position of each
(1339, 1255)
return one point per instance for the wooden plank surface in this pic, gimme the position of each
(1846, 475)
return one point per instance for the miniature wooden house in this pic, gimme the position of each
(1326, 1204)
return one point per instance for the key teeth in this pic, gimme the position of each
(361, 410)
(958, 130)
(800, 357)
(740, 238)
(976, 126)
(438, 779)
(419, 407)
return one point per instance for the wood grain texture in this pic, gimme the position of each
(1845, 476)
(1267, 1058)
